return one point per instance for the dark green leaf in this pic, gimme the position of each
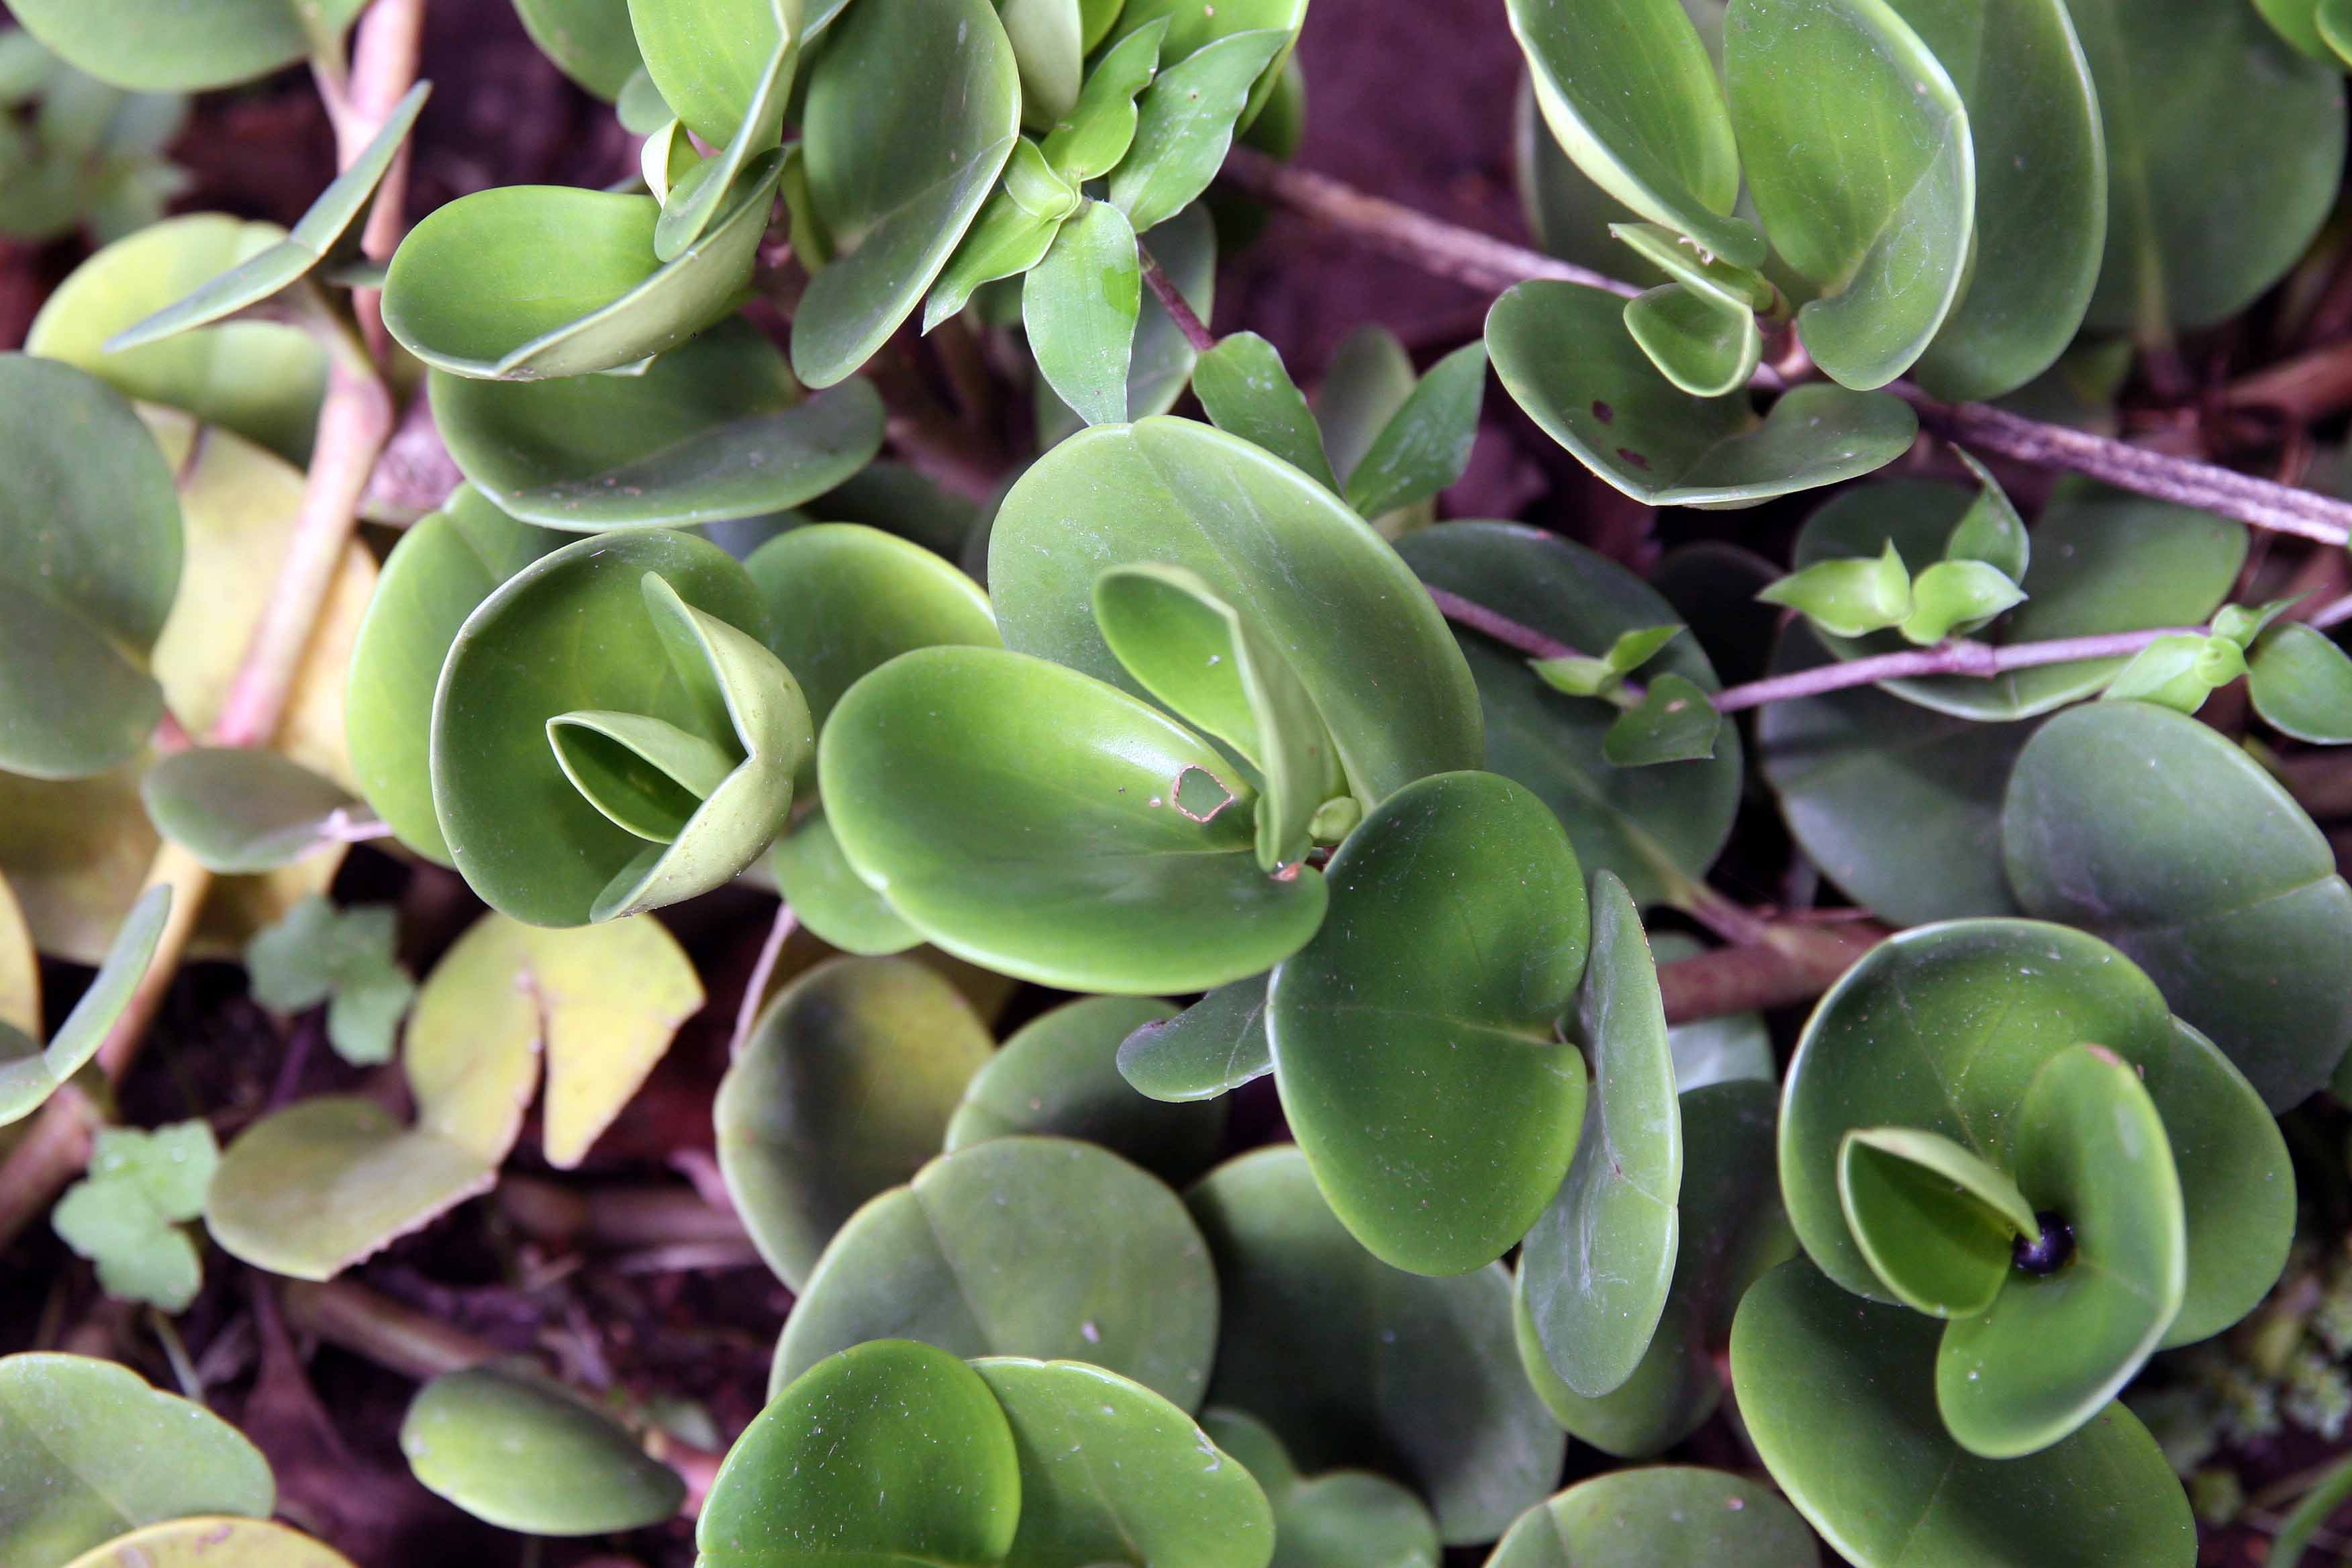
(1425, 445)
(1245, 389)
(1673, 722)
(1216, 1045)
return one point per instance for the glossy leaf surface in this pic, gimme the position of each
(829, 898)
(244, 811)
(1425, 445)
(148, 47)
(591, 41)
(524, 1454)
(1936, 1223)
(708, 57)
(690, 203)
(844, 1089)
(1703, 345)
(1185, 121)
(1660, 1517)
(1079, 306)
(1244, 388)
(1217, 1044)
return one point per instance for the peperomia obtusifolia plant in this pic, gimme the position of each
(1180, 733)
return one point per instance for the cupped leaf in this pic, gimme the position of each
(2208, 205)
(1731, 1232)
(890, 1452)
(1862, 169)
(271, 271)
(829, 896)
(591, 41)
(1659, 1516)
(440, 572)
(89, 563)
(907, 121)
(2237, 1185)
(213, 1541)
(844, 1089)
(1657, 828)
(1029, 818)
(2300, 684)
(2102, 561)
(1185, 119)
(1216, 1045)
(1705, 347)
(1414, 1039)
(148, 46)
(1425, 444)
(2150, 829)
(1112, 1473)
(1058, 1075)
(714, 429)
(1562, 351)
(1340, 1519)
(1214, 668)
(1936, 1224)
(1079, 306)
(653, 764)
(1666, 152)
(89, 1451)
(597, 296)
(1280, 549)
(691, 204)
(515, 1450)
(262, 379)
(2041, 190)
(1244, 388)
(709, 59)
(1837, 1395)
(1599, 1259)
(1354, 1363)
(29, 1073)
(1030, 1247)
(243, 811)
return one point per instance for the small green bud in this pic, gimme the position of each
(1849, 597)
(1955, 598)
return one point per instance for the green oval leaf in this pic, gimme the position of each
(1244, 388)
(1413, 1040)
(828, 897)
(149, 47)
(843, 1090)
(1096, 134)
(242, 811)
(689, 205)
(2300, 684)
(1340, 1519)
(708, 58)
(1425, 446)
(2148, 828)
(893, 1451)
(1563, 352)
(591, 41)
(1837, 1395)
(1185, 119)
(1660, 1517)
(1079, 306)
(1216, 1045)
(1354, 1363)
(213, 1541)
(1191, 28)
(521, 1453)
(1033, 1246)
(1186, 248)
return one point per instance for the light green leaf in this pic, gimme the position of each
(1848, 595)
(123, 1215)
(29, 1073)
(1705, 347)
(318, 952)
(240, 810)
(691, 204)
(1673, 722)
(147, 47)
(1049, 45)
(708, 58)
(517, 1451)
(1245, 389)
(1079, 307)
(213, 1541)
(2178, 672)
(1096, 134)
(591, 41)
(829, 898)
(1665, 1516)
(1952, 597)
(1340, 1519)
(1186, 122)
(1936, 1224)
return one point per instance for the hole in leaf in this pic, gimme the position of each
(1199, 794)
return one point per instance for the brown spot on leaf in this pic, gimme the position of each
(1634, 457)
(1602, 412)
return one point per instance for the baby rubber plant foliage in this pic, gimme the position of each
(1270, 1031)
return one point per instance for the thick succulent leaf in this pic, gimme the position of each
(591, 41)
(1364, 639)
(1005, 241)
(2208, 204)
(1425, 445)
(1185, 119)
(1837, 1395)
(1600, 1260)
(262, 379)
(714, 429)
(517, 1451)
(1562, 351)
(1660, 1517)
(1936, 1224)
(1111, 1473)
(829, 898)
(1731, 1231)
(1214, 668)
(1862, 169)
(213, 1541)
(1048, 38)
(88, 1451)
(242, 811)
(843, 1090)
(2102, 561)
(2299, 22)
(1899, 804)
(89, 563)
(258, 277)
(2042, 190)
(1079, 306)
(1029, 818)
(2053, 1349)
(2300, 684)
(1705, 347)
(2150, 829)
(29, 1073)
(1414, 1039)
(708, 58)
(1059, 1076)
(1340, 1519)
(1681, 260)
(597, 301)
(143, 47)
(890, 1452)
(1191, 28)
(1657, 829)
(1030, 1247)
(1216, 1045)
(441, 569)
(1244, 388)
(675, 624)
(1354, 1363)
(1667, 150)
(907, 121)
(1095, 135)
(691, 204)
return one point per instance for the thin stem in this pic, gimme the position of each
(1180, 310)
(1449, 250)
(1464, 612)
(755, 989)
(1958, 656)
